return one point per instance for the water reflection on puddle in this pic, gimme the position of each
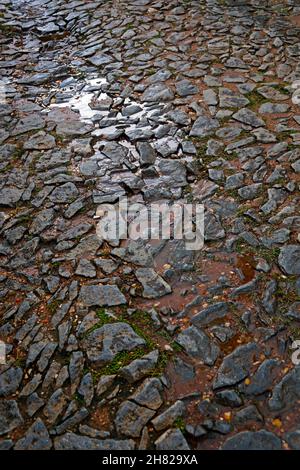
(81, 100)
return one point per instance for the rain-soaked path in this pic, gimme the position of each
(149, 345)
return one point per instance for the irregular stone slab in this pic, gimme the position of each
(154, 285)
(253, 440)
(65, 193)
(211, 313)
(251, 191)
(173, 439)
(236, 366)
(36, 438)
(186, 88)
(40, 141)
(10, 416)
(100, 59)
(231, 99)
(140, 368)
(76, 366)
(173, 171)
(204, 126)
(167, 146)
(10, 381)
(197, 344)
(102, 296)
(213, 229)
(131, 419)
(246, 116)
(29, 123)
(146, 152)
(71, 441)
(294, 311)
(149, 394)
(262, 380)
(248, 414)
(24, 256)
(287, 392)
(136, 251)
(229, 398)
(72, 128)
(289, 259)
(293, 439)
(157, 92)
(167, 418)
(103, 344)
(71, 422)
(55, 405)
(273, 108)
(86, 388)
(42, 221)
(271, 93)
(85, 268)
(10, 196)
(105, 382)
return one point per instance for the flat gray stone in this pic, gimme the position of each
(36, 438)
(246, 116)
(101, 296)
(173, 439)
(198, 345)
(236, 366)
(204, 126)
(131, 418)
(157, 92)
(253, 440)
(154, 285)
(71, 441)
(289, 259)
(10, 416)
(10, 381)
(103, 344)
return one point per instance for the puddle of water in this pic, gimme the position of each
(81, 100)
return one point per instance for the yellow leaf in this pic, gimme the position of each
(277, 423)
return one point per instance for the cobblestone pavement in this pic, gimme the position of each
(127, 345)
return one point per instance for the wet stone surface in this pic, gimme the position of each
(125, 344)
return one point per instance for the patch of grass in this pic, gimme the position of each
(176, 346)
(282, 88)
(163, 360)
(122, 359)
(7, 30)
(255, 98)
(53, 306)
(77, 397)
(269, 254)
(20, 362)
(179, 424)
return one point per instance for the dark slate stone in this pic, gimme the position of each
(253, 440)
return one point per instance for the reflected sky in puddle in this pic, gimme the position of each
(81, 100)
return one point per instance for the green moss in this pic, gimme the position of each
(122, 359)
(176, 346)
(53, 306)
(256, 99)
(179, 424)
(20, 362)
(79, 399)
(163, 360)
(269, 254)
